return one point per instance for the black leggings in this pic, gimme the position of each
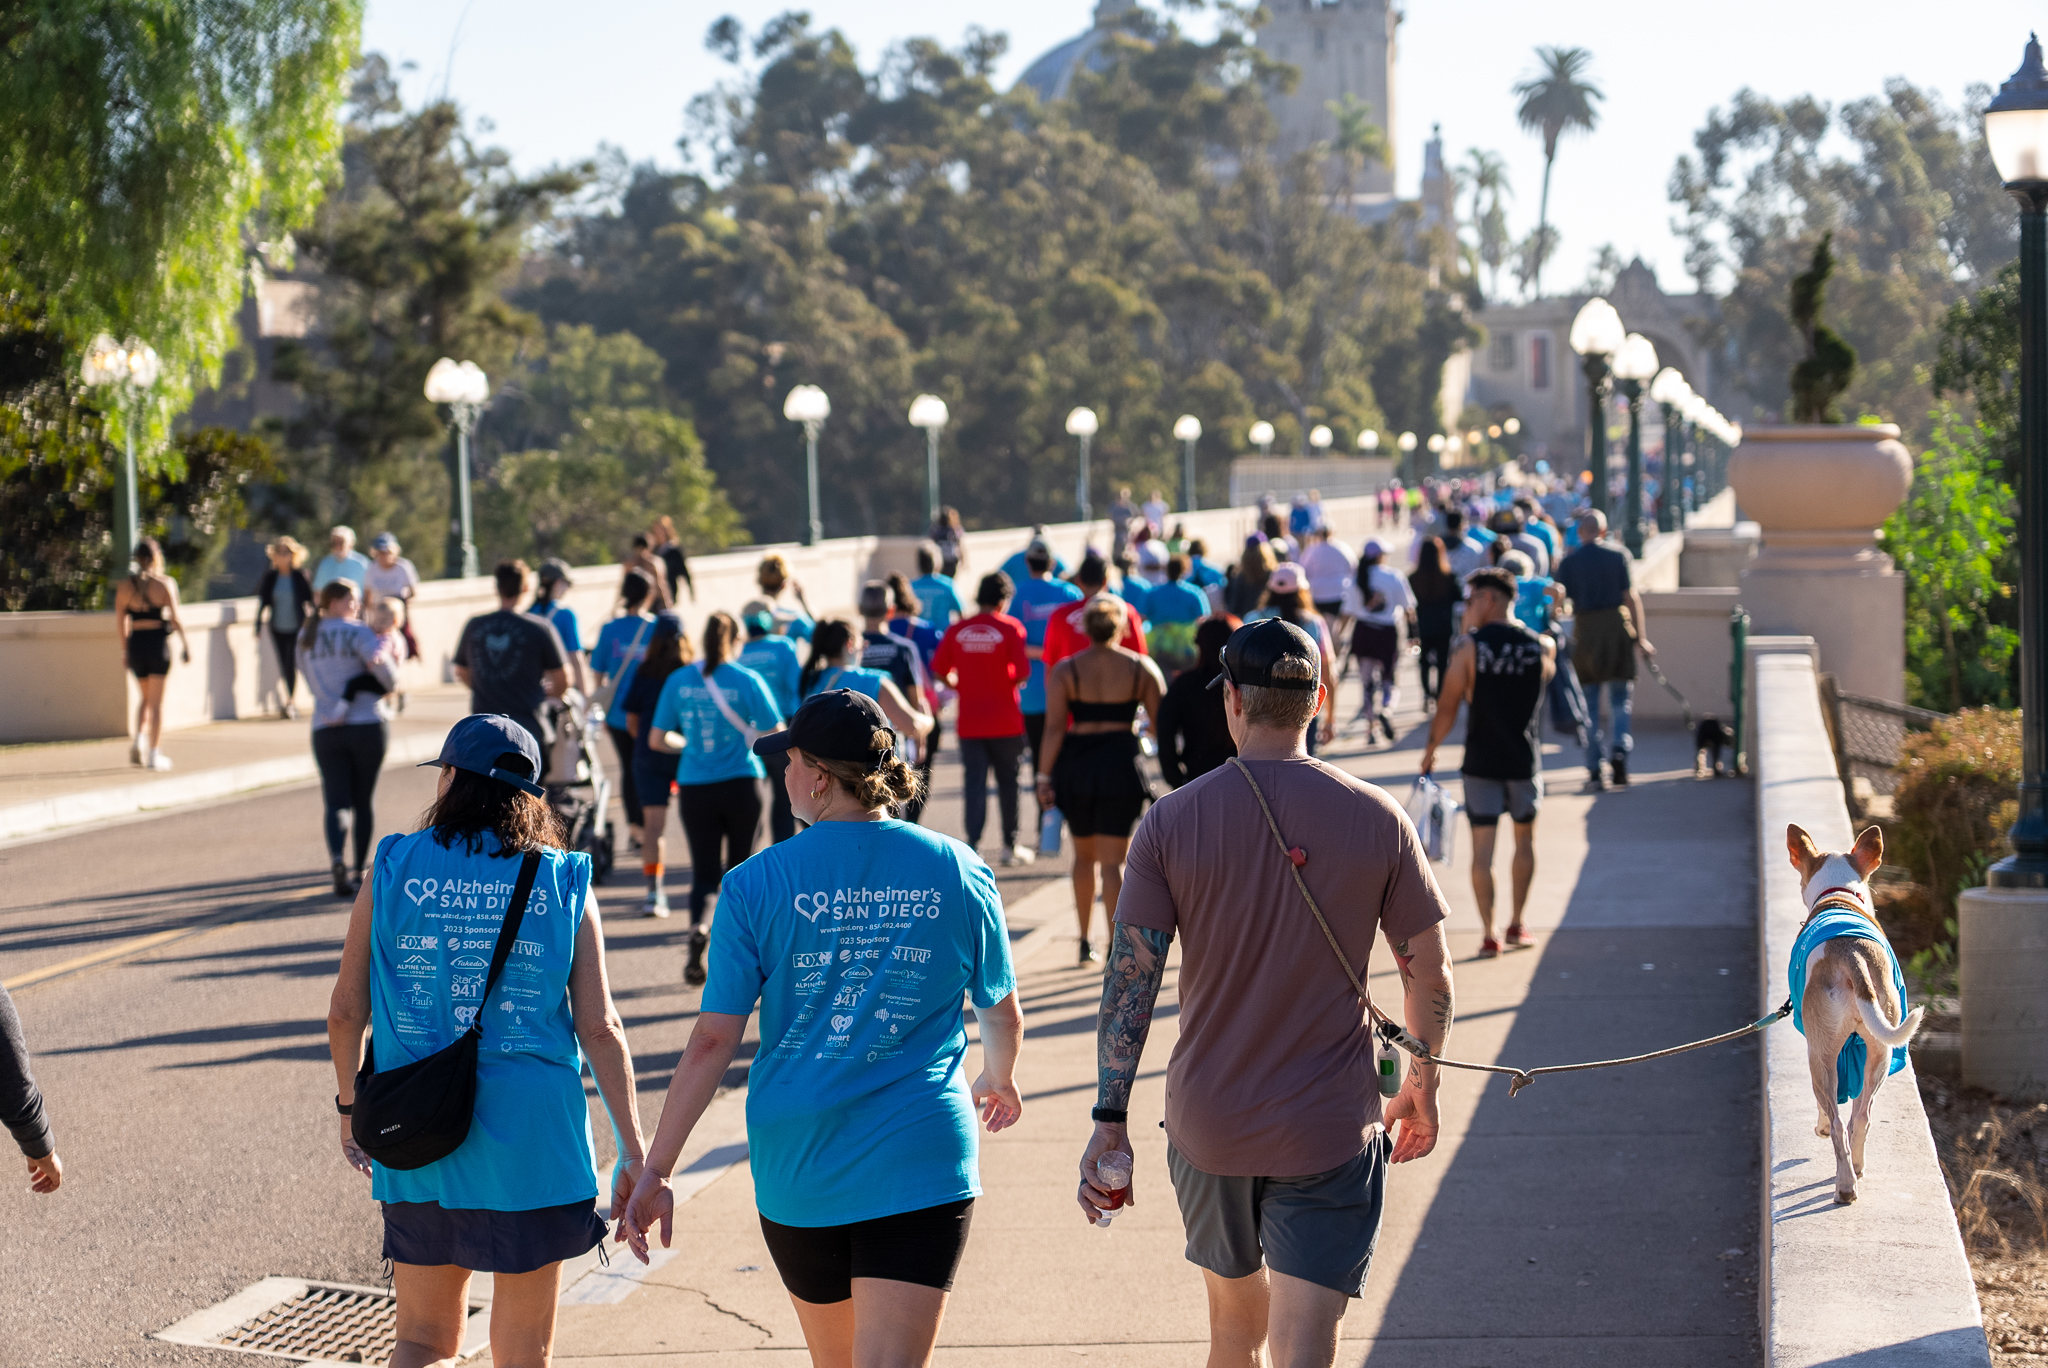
(350, 758)
(781, 821)
(622, 746)
(721, 821)
(287, 644)
(1436, 657)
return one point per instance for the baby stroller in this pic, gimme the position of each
(578, 789)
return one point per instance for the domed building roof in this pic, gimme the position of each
(1052, 75)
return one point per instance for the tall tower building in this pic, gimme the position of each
(1342, 48)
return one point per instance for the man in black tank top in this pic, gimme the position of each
(1500, 668)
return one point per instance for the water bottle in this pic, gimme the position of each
(1049, 832)
(1387, 1061)
(1113, 1176)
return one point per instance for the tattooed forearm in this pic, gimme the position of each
(1443, 1009)
(1137, 966)
(1405, 958)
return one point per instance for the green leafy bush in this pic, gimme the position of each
(1957, 793)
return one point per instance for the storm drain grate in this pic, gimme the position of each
(309, 1322)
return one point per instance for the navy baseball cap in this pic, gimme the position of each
(478, 741)
(1255, 648)
(837, 724)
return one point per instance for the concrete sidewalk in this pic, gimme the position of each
(67, 784)
(1602, 1218)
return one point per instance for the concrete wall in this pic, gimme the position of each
(61, 675)
(1689, 628)
(1884, 1281)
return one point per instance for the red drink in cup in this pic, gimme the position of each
(1113, 1176)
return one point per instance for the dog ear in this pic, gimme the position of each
(1805, 854)
(1868, 852)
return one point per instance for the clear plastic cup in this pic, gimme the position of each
(1113, 1176)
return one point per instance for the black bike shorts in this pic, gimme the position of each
(819, 1263)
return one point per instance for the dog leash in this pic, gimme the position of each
(1672, 689)
(1393, 1033)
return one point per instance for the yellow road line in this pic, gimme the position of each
(212, 922)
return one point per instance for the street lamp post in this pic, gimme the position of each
(1081, 423)
(1597, 334)
(807, 404)
(1670, 392)
(1405, 444)
(464, 388)
(1319, 439)
(2016, 126)
(928, 411)
(1187, 430)
(131, 367)
(1261, 435)
(1634, 364)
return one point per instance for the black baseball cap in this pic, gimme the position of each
(1255, 648)
(837, 724)
(477, 742)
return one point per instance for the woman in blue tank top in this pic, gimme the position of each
(517, 1196)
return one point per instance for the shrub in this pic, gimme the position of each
(1958, 790)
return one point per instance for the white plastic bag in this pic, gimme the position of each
(1435, 815)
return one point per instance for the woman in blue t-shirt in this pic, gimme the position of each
(858, 938)
(835, 664)
(620, 645)
(516, 1197)
(709, 715)
(654, 771)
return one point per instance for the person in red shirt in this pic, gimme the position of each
(983, 657)
(1064, 634)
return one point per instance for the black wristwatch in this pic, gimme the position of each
(345, 1108)
(1114, 1115)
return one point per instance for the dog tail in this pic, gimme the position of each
(1880, 1032)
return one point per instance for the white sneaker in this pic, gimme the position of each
(157, 761)
(1018, 855)
(656, 904)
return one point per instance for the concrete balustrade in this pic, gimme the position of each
(62, 678)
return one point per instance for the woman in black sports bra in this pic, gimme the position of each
(1089, 764)
(146, 613)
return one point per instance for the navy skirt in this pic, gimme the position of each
(431, 1235)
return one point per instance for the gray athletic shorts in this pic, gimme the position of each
(1320, 1229)
(1487, 799)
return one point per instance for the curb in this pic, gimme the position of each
(50, 816)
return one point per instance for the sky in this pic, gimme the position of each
(555, 81)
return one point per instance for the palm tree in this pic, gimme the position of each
(1358, 141)
(1555, 103)
(1487, 175)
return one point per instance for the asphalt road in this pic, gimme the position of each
(190, 1086)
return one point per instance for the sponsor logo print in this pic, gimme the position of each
(810, 983)
(840, 1023)
(419, 942)
(472, 962)
(416, 966)
(810, 959)
(881, 1013)
(858, 972)
(909, 955)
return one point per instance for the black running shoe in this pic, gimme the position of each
(342, 887)
(693, 971)
(1619, 764)
(1386, 727)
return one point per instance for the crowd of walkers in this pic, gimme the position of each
(798, 753)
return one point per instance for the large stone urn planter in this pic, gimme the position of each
(1818, 493)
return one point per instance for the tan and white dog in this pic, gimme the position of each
(1849, 992)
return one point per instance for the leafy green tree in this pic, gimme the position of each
(1918, 220)
(1554, 102)
(1977, 363)
(410, 256)
(594, 453)
(1359, 140)
(144, 141)
(1953, 541)
(1485, 174)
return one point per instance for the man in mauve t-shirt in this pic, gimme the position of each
(1276, 1139)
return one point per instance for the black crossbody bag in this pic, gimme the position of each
(407, 1117)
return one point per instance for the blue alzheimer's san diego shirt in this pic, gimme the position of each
(1035, 602)
(437, 912)
(713, 749)
(774, 658)
(859, 940)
